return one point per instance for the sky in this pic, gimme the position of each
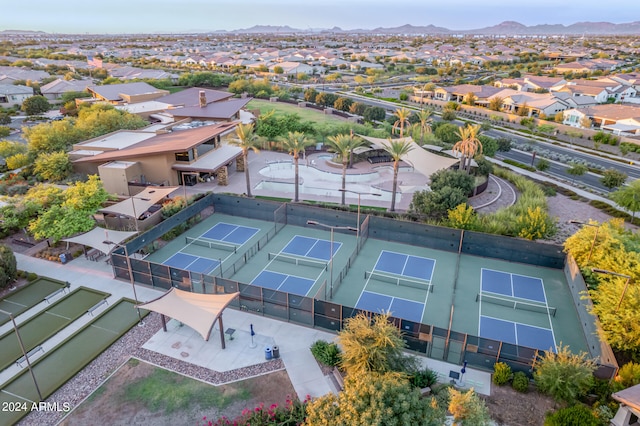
(167, 16)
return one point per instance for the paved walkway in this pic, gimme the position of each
(182, 343)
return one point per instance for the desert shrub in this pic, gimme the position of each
(629, 375)
(564, 375)
(32, 276)
(424, 378)
(578, 415)
(326, 353)
(501, 373)
(520, 382)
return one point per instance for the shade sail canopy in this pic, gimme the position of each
(97, 236)
(140, 203)
(198, 311)
(422, 160)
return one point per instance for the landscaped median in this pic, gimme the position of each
(65, 360)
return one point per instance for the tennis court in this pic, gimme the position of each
(61, 363)
(36, 330)
(222, 241)
(398, 269)
(311, 257)
(30, 295)
(516, 333)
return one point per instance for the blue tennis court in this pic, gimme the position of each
(405, 265)
(189, 262)
(516, 333)
(399, 308)
(283, 282)
(513, 285)
(229, 233)
(311, 247)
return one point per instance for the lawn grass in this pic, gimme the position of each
(170, 392)
(306, 114)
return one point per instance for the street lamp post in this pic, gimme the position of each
(332, 228)
(595, 237)
(130, 272)
(358, 219)
(24, 352)
(626, 284)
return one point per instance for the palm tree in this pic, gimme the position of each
(246, 140)
(403, 115)
(397, 149)
(425, 120)
(468, 145)
(295, 143)
(341, 145)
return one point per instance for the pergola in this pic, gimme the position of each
(198, 311)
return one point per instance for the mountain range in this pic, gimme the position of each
(504, 28)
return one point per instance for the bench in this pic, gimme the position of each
(30, 354)
(94, 254)
(96, 306)
(23, 242)
(337, 377)
(54, 294)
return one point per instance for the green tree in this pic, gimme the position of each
(397, 149)
(295, 143)
(310, 94)
(447, 133)
(534, 225)
(564, 375)
(543, 164)
(35, 105)
(343, 104)
(8, 266)
(424, 122)
(72, 96)
(470, 99)
(628, 197)
(374, 113)
(468, 408)
(4, 131)
(496, 103)
(246, 140)
(278, 69)
(452, 178)
(468, 145)
(357, 108)
(51, 137)
(16, 161)
(5, 118)
(437, 203)
(613, 178)
(54, 166)
(489, 145)
(402, 115)
(343, 145)
(576, 169)
(375, 399)
(448, 114)
(371, 346)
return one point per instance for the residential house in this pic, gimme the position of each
(11, 95)
(618, 119)
(158, 155)
(53, 91)
(9, 75)
(293, 68)
(117, 94)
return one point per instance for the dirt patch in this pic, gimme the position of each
(508, 407)
(110, 405)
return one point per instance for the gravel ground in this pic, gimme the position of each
(130, 345)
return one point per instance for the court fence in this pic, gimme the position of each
(318, 311)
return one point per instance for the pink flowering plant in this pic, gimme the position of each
(292, 414)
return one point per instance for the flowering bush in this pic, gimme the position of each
(292, 414)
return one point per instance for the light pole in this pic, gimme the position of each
(184, 185)
(24, 353)
(130, 272)
(133, 204)
(332, 228)
(358, 219)
(626, 284)
(595, 237)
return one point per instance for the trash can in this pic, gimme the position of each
(267, 353)
(63, 258)
(276, 352)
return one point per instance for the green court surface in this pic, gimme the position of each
(28, 296)
(41, 327)
(65, 360)
(455, 280)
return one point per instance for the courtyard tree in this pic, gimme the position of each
(35, 105)
(402, 115)
(397, 149)
(53, 166)
(564, 375)
(424, 122)
(8, 266)
(375, 399)
(468, 145)
(247, 141)
(628, 197)
(342, 145)
(576, 169)
(294, 144)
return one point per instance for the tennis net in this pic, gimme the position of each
(516, 304)
(212, 244)
(302, 261)
(399, 280)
